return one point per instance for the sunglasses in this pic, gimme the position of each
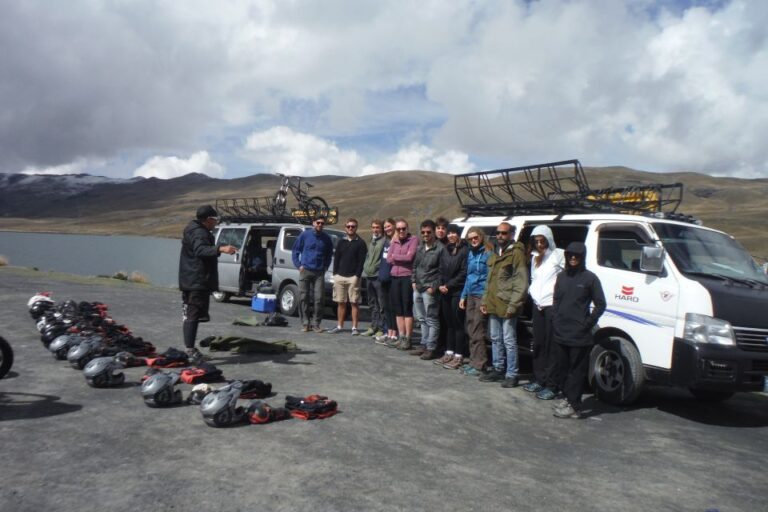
(473, 238)
(502, 232)
(319, 223)
(351, 226)
(426, 232)
(401, 229)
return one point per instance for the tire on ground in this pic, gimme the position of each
(616, 371)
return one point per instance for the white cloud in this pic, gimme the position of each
(514, 82)
(165, 167)
(283, 150)
(79, 166)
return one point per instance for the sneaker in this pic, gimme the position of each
(470, 371)
(381, 340)
(546, 394)
(567, 412)
(428, 355)
(369, 332)
(455, 363)
(447, 358)
(509, 382)
(355, 332)
(195, 356)
(335, 330)
(559, 404)
(532, 387)
(379, 333)
(304, 328)
(317, 329)
(492, 376)
(392, 342)
(416, 351)
(404, 343)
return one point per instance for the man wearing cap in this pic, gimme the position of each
(198, 274)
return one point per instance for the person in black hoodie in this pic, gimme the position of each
(453, 275)
(198, 274)
(575, 290)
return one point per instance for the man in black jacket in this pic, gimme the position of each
(198, 274)
(575, 290)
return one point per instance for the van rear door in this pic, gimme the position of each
(230, 264)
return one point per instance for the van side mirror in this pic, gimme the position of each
(652, 259)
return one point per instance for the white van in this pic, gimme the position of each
(686, 305)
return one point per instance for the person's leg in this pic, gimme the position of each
(578, 368)
(496, 333)
(195, 307)
(319, 296)
(537, 346)
(432, 320)
(457, 324)
(551, 362)
(341, 314)
(354, 303)
(478, 333)
(509, 327)
(305, 288)
(420, 313)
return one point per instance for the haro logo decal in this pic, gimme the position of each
(627, 294)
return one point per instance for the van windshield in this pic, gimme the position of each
(702, 252)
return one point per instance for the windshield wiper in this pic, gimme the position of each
(752, 283)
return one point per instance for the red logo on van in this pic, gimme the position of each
(627, 290)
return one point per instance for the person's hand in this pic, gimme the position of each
(228, 249)
(413, 285)
(462, 304)
(301, 268)
(443, 289)
(483, 309)
(431, 290)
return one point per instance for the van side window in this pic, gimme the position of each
(620, 248)
(563, 233)
(231, 236)
(289, 238)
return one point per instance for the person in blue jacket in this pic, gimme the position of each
(312, 255)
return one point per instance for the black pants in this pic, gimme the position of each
(574, 365)
(545, 356)
(401, 293)
(194, 307)
(453, 318)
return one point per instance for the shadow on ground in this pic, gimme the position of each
(28, 406)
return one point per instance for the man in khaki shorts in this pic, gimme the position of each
(348, 263)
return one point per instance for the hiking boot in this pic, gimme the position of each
(369, 332)
(454, 364)
(416, 351)
(404, 343)
(195, 356)
(392, 342)
(567, 412)
(471, 371)
(355, 332)
(317, 329)
(532, 387)
(447, 358)
(492, 376)
(509, 382)
(546, 394)
(428, 355)
(335, 330)
(304, 328)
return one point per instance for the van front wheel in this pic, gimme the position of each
(289, 300)
(221, 296)
(616, 371)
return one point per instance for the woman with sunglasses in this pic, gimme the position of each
(471, 298)
(385, 279)
(402, 252)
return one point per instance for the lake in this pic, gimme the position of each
(91, 255)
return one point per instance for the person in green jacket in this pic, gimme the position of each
(503, 302)
(374, 287)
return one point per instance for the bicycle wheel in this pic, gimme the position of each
(278, 203)
(315, 206)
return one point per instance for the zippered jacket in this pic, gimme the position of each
(312, 250)
(198, 260)
(426, 266)
(453, 267)
(507, 282)
(477, 272)
(373, 258)
(401, 255)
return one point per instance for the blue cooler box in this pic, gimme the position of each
(264, 303)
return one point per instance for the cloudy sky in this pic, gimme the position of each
(348, 87)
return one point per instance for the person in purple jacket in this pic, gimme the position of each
(402, 252)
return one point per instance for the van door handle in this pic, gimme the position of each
(281, 260)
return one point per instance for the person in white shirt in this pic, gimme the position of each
(547, 261)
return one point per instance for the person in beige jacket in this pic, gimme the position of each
(503, 301)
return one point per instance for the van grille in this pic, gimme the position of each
(752, 340)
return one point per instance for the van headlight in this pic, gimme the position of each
(706, 329)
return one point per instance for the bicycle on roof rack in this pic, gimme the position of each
(310, 206)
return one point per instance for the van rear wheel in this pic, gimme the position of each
(221, 296)
(616, 371)
(289, 300)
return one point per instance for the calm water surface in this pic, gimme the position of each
(91, 255)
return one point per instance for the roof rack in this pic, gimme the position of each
(558, 188)
(263, 209)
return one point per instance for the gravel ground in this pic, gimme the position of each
(410, 435)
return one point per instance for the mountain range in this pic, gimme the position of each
(150, 206)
